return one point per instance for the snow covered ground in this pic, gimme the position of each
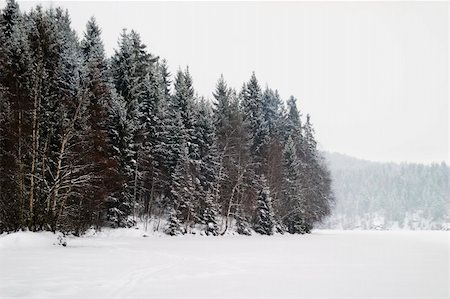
(325, 264)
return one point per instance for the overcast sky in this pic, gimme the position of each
(373, 76)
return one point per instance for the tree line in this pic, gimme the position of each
(91, 141)
(374, 195)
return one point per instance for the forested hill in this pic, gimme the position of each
(372, 195)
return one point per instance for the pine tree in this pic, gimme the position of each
(207, 173)
(184, 103)
(165, 77)
(221, 109)
(173, 224)
(183, 190)
(293, 125)
(165, 151)
(100, 97)
(119, 203)
(274, 116)
(257, 133)
(257, 128)
(185, 140)
(242, 223)
(10, 19)
(130, 68)
(273, 111)
(309, 144)
(16, 105)
(292, 206)
(210, 214)
(318, 195)
(264, 221)
(149, 124)
(224, 135)
(233, 160)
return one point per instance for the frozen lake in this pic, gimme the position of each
(325, 264)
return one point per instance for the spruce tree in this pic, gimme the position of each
(100, 102)
(173, 223)
(119, 203)
(129, 67)
(318, 195)
(10, 18)
(16, 104)
(210, 213)
(221, 109)
(183, 190)
(234, 166)
(274, 117)
(207, 172)
(252, 109)
(292, 206)
(257, 132)
(183, 102)
(264, 221)
(293, 125)
(273, 111)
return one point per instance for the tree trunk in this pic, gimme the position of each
(230, 202)
(35, 140)
(21, 174)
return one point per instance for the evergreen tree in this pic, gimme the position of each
(293, 125)
(173, 224)
(207, 167)
(183, 190)
(292, 206)
(165, 76)
(264, 222)
(257, 128)
(274, 116)
(100, 101)
(317, 191)
(273, 111)
(130, 68)
(210, 214)
(10, 18)
(119, 203)
(184, 103)
(221, 109)
(15, 93)
(149, 124)
(242, 223)
(255, 144)
(233, 161)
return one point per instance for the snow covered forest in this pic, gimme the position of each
(92, 141)
(373, 195)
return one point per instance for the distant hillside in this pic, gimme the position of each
(372, 195)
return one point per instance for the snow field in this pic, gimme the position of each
(326, 264)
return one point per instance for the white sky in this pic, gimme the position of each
(373, 75)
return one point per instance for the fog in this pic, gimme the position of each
(374, 76)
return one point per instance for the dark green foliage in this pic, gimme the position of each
(174, 224)
(264, 221)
